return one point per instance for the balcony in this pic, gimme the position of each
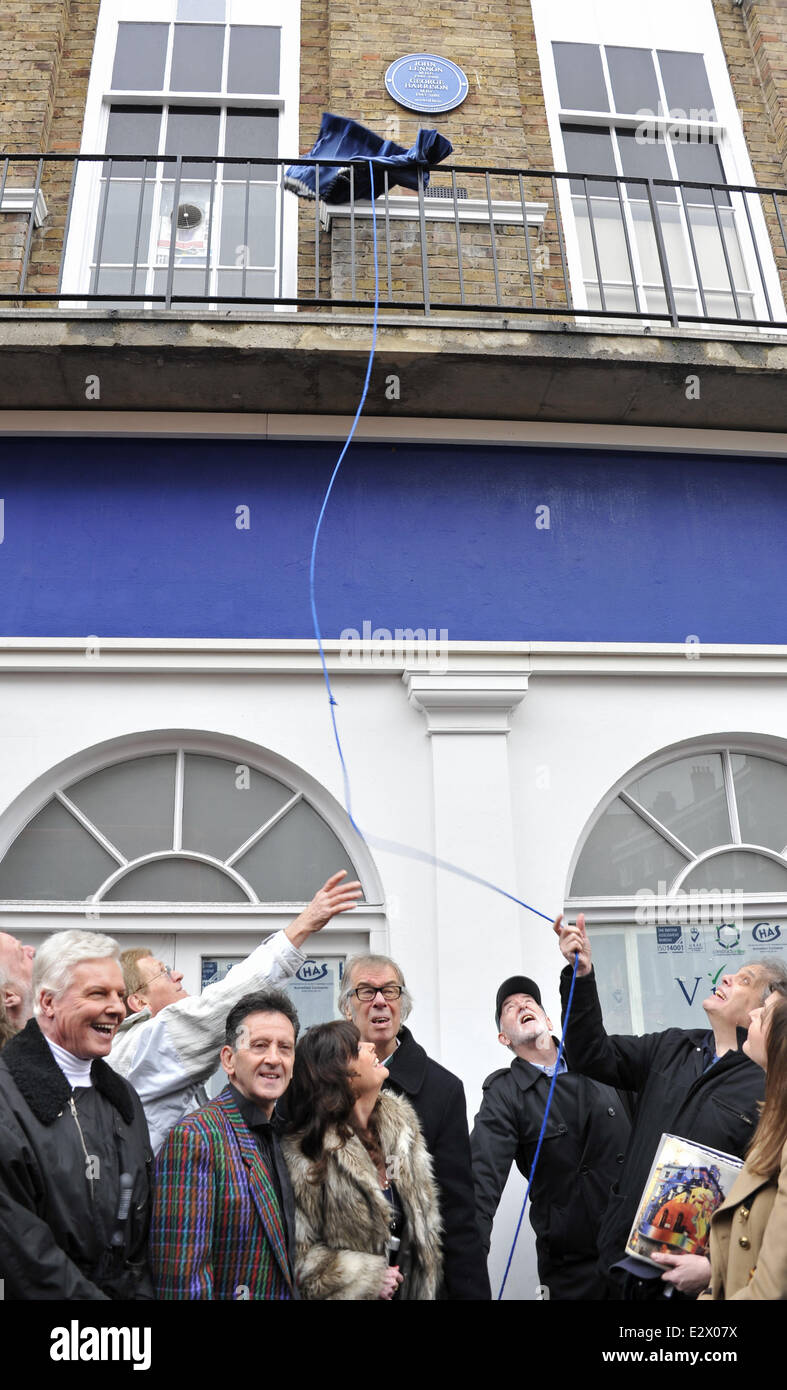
(137, 235)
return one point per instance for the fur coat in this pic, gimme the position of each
(342, 1223)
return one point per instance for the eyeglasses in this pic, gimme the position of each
(365, 993)
(167, 970)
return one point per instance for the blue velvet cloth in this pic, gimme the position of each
(342, 139)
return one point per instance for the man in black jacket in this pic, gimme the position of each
(693, 1083)
(375, 998)
(583, 1147)
(75, 1156)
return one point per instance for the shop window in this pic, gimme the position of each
(683, 877)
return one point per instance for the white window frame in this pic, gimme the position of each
(672, 24)
(56, 784)
(282, 14)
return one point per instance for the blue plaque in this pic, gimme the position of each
(424, 82)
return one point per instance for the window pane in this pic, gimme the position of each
(132, 803)
(192, 130)
(710, 254)
(54, 859)
(295, 858)
(184, 282)
(699, 160)
(686, 85)
(132, 130)
(609, 962)
(589, 151)
(633, 78)
(123, 206)
(622, 855)
(260, 243)
(761, 794)
(224, 804)
(253, 135)
(580, 77)
(611, 251)
(648, 159)
(254, 59)
(740, 871)
(110, 282)
(259, 284)
(196, 58)
(140, 57)
(688, 797)
(202, 9)
(176, 881)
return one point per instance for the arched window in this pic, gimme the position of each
(173, 826)
(683, 877)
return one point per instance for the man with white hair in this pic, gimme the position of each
(170, 1043)
(75, 1157)
(16, 980)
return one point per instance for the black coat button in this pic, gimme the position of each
(583, 1172)
(619, 1158)
(611, 1110)
(562, 1129)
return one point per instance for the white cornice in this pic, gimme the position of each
(459, 662)
(469, 703)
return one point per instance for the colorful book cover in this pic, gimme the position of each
(686, 1184)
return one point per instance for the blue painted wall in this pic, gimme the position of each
(138, 538)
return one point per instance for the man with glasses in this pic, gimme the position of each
(375, 998)
(169, 1045)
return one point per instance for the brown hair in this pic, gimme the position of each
(321, 1096)
(764, 1156)
(129, 964)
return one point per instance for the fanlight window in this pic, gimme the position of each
(173, 827)
(713, 820)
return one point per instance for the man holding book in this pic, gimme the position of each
(689, 1082)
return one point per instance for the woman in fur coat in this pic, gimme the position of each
(367, 1216)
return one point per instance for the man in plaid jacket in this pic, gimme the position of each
(223, 1223)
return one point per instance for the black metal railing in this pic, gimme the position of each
(172, 232)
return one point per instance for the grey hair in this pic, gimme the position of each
(775, 975)
(346, 1000)
(58, 956)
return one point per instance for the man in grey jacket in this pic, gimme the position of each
(169, 1045)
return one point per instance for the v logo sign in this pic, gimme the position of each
(689, 997)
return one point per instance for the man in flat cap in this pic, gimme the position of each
(581, 1154)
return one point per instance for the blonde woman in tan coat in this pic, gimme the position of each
(748, 1240)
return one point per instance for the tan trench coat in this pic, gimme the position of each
(748, 1241)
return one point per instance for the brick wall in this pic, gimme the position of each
(346, 47)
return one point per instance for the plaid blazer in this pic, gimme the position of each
(217, 1231)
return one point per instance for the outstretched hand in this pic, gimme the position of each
(572, 940)
(334, 897)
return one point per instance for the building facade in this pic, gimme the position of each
(550, 574)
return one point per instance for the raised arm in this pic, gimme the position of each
(616, 1059)
(180, 1045)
